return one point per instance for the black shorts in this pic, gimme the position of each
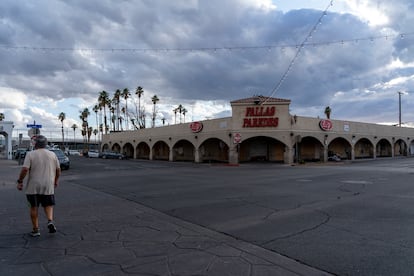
(44, 200)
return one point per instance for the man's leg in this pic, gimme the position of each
(49, 212)
(49, 216)
(34, 217)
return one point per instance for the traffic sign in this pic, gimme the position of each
(237, 138)
(33, 126)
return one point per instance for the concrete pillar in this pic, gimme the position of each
(171, 154)
(325, 153)
(196, 155)
(234, 155)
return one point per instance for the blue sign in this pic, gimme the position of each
(34, 126)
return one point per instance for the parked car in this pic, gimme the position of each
(63, 159)
(94, 154)
(112, 155)
(20, 153)
(335, 158)
(73, 152)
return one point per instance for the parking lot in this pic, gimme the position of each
(343, 218)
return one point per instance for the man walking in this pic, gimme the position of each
(43, 170)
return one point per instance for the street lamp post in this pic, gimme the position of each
(399, 108)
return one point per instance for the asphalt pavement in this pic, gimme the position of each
(102, 234)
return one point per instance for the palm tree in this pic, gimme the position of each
(1, 117)
(85, 127)
(328, 112)
(62, 117)
(74, 127)
(126, 94)
(175, 115)
(115, 100)
(95, 132)
(184, 111)
(113, 117)
(180, 110)
(139, 91)
(96, 109)
(154, 100)
(123, 111)
(103, 101)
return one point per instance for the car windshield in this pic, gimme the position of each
(59, 153)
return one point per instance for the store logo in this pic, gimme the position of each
(196, 126)
(325, 124)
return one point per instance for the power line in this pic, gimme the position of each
(206, 49)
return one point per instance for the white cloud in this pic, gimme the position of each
(12, 98)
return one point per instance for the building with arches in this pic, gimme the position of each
(262, 129)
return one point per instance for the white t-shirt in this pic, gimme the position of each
(42, 165)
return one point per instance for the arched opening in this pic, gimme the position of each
(261, 149)
(143, 151)
(214, 150)
(116, 148)
(364, 149)
(3, 145)
(183, 150)
(400, 148)
(341, 148)
(160, 151)
(383, 148)
(128, 150)
(310, 149)
(105, 147)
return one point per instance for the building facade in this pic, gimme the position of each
(262, 129)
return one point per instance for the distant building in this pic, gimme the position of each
(262, 129)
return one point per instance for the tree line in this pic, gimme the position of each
(113, 114)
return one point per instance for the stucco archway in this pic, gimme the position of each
(261, 148)
(400, 148)
(363, 149)
(383, 148)
(214, 150)
(160, 151)
(310, 149)
(128, 150)
(6, 129)
(183, 150)
(143, 151)
(340, 147)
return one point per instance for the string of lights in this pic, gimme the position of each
(299, 49)
(211, 49)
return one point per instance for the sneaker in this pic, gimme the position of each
(35, 233)
(51, 227)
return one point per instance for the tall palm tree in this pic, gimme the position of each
(2, 117)
(139, 91)
(180, 110)
(95, 132)
(116, 100)
(96, 109)
(184, 111)
(126, 94)
(62, 117)
(123, 111)
(175, 115)
(74, 127)
(85, 127)
(103, 101)
(113, 117)
(154, 100)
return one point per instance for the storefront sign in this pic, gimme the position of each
(260, 116)
(325, 124)
(237, 138)
(196, 127)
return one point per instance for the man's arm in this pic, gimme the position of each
(57, 175)
(22, 175)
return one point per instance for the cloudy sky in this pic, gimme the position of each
(353, 55)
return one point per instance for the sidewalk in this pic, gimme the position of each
(99, 234)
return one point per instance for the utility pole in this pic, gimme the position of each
(399, 107)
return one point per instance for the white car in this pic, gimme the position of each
(93, 154)
(74, 152)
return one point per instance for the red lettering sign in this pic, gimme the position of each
(325, 124)
(196, 126)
